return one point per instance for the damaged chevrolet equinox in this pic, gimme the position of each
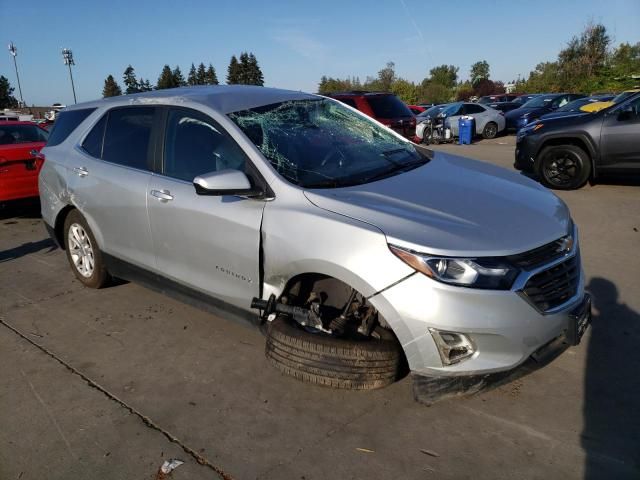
(360, 254)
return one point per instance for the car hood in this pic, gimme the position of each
(518, 112)
(454, 206)
(577, 113)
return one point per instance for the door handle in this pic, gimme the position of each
(162, 195)
(81, 171)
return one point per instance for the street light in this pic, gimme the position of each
(14, 51)
(67, 56)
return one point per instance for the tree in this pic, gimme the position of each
(166, 79)
(254, 73)
(210, 77)
(144, 85)
(243, 68)
(192, 79)
(435, 93)
(405, 90)
(201, 75)
(111, 88)
(446, 75)
(479, 71)
(130, 81)
(178, 79)
(233, 71)
(386, 77)
(6, 99)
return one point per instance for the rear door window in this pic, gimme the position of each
(127, 136)
(388, 106)
(472, 108)
(67, 122)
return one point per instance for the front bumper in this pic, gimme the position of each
(525, 153)
(503, 326)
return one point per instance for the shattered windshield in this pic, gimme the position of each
(322, 144)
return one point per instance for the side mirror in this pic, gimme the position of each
(225, 182)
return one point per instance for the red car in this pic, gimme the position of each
(416, 109)
(384, 107)
(20, 162)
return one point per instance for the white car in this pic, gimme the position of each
(489, 122)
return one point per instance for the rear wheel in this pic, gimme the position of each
(490, 130)
(334, 362)
(564, 167)
(83, 253)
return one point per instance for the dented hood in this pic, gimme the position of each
(454, 206)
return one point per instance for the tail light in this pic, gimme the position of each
(501, 112)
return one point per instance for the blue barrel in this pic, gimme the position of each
(466, 126)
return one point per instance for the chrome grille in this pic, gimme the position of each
(554, 286)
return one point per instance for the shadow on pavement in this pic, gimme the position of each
(611, 435)
(27, 208)
(27, 249)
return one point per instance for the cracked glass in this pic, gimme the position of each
(323, 144)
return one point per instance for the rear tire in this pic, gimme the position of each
(333, 362)
(490, 130)
(564, 167)
(83, 253)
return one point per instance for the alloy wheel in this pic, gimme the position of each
(561, 169)
(81, 250)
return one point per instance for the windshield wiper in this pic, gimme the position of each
(398, 167)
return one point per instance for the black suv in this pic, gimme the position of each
(566, 152)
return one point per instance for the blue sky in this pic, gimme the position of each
(295, 41)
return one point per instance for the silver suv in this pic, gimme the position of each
(364, 253)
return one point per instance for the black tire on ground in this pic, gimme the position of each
(490, 130)
(100, 276)
(564, 167)
(331, 361)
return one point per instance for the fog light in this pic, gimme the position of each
(453, 347)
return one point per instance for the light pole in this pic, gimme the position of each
(14, 51)
(67, 55)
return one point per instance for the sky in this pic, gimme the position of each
(295, 42)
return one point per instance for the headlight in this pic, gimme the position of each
(489, 273)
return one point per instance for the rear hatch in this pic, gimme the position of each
(392, 112)
(19, 168)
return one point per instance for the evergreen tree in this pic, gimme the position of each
(111, 88)
(233, 71)
(144, 85)
(130, 81)
(244, 69)
(6, 99)
(254, 76)
(210, 76)
(192, 79)
(166, 79)
(201, 75)
(178, 79)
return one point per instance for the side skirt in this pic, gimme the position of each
(127, 271)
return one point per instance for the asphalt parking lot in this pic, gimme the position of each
(108, 384)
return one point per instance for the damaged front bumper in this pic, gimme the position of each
(501, 331)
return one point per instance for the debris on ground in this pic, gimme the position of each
(365, 450)
(167, 467)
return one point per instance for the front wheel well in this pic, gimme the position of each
(58, 228)
(333, 293)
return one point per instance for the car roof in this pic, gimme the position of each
(222, 98)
